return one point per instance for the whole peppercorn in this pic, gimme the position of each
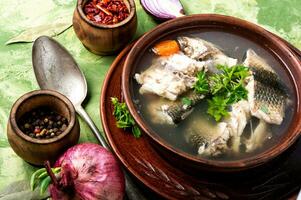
(43, 123)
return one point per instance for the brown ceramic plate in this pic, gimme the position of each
(275, 180)
(207, 23)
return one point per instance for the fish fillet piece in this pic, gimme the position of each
(169, 76)
(209, 138)
(257, 138)
(201, 50)
(237, 121)
(157, 115)
(266, 96)
(172, 112)
(213, 139)
(178, 111)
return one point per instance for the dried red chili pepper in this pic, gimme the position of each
(106, 11)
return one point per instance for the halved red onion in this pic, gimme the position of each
(163, 9)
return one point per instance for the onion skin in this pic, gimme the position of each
(88, 172)
(163, 10)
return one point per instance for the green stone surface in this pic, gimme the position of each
(16, 73)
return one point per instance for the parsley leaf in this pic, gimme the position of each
(238, 93)
(226, 88)
(201, 85)
(123, 117)
(186, 101)
(217, 107)
(136, 131)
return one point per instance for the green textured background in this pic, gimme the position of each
(282, 17)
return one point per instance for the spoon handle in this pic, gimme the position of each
(132, 191)
(84, 115)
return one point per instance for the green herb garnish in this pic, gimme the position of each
(186, 101)
(228, 80)
(217, 107)
(201, 85)
(123, 117)
(224, 88)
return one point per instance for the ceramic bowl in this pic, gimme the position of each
(34, 150)
(104, 39)
(208, 22)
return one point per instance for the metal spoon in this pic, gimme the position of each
(56, 69)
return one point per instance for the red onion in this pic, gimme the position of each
(88, 172)
(163, 9)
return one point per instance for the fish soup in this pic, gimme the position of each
(165, 95)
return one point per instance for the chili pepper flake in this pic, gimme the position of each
(106, 11)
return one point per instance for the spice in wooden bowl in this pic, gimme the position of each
(105, 26)
(36, 150)
(42, 123)
(106, 11)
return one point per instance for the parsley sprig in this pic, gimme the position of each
(218, 107)
(224, 89)
(201, 85)
(186, 101)
(123, 117)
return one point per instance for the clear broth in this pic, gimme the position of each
(233, 46)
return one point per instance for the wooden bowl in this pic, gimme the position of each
(33, 150)
(167, 180)
(104, 39)
(289, 61)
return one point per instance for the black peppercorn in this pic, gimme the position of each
(42, 123)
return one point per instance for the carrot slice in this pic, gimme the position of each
(166, 48)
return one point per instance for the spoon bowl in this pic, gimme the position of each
(56, 69)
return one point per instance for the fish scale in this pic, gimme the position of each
(179, 111)
(268, 97)
(269, 78)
